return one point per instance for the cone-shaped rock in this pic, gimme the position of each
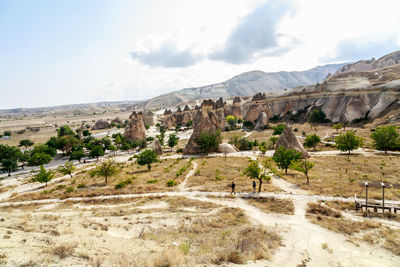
(288, 140)
(100, 125)
(156, 146)
(262, 121)
(135, 129)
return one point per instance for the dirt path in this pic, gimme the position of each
(182, 186)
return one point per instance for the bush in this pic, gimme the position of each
(171, 183)
(248, 125)
(318, 116)
(312, 140)
(180, 171)
(70, 189)
(150, 139)
(179, 150)
(152, 181)
(81, 185)
(278, 129)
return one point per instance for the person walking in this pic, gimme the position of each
(254, 186)
(233, 188)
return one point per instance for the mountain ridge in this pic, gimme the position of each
(245, 84)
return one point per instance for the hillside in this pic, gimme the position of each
(371, 64)
(248, 83)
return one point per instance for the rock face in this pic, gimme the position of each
(148, 118)
(227, 148)
(262, 121)
(179, 118)
(288, 140)
(135, 129)
(156, 146)
(100, 125)
(117, 121)
(205, 120)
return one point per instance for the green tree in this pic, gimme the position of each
(312, 140)
(26, 143)
(96, 151)
(172, 140)
(189, 124)
(24, 157)
(106, 169)
(285, 156)
(9, 165)
(348, 141)
(86, 132)
(77, 155)
(7, 133)
(44, 176)
(231, 120)
(208, 141)
(52, 151)
(67, 168)
(254, 171)
(65, 143)
(39, 158)
(317, 116)
(263, 147)
(337, 127)
(386, 138)
(147, 157)
(65, 130)
(106, 141)
(303, 166)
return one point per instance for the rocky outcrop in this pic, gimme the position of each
(235, 109)
(101, 125)
(288, 140)
(117, 121)
(156, 146)
(135, 130)
(371, 64)
(206, 120)
(258, 97)
(227, 148)
(148, 118)
(261, 122)
(186, 108)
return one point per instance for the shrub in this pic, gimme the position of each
(312, 140)
(81, 185)
(318, 116)
(180, 171)
(278, 129)
(179, 150)
(70, 189)
(171, 183)
(152, 181)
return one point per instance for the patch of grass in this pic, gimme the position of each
(332, 220)
(152, 181)
(171, 183)
(63, 251)
(272, 204)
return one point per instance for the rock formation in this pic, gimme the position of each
(205, 120)
(261, 122)
(135, 129)
(220, 112)
(148, 118)
(101, 125)
(227, 148)
(117, 121)
(288, 140)
(156, 146)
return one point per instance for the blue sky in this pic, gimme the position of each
(61, 52)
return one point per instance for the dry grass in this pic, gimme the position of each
(138, 178)
(339, 175)
(216, 174)
(392, 240)
(272, 204)
(350, 207)
(62, 251)
(226, 136)
(333, 220)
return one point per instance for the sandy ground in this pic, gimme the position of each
(83, 226)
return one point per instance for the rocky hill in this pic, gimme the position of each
(371, 64)
(245, 84)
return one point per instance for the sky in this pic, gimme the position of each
(81, 51)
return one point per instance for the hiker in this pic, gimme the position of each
(254, 186)
(233, 188)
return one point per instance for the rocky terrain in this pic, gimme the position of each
(371, 64)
